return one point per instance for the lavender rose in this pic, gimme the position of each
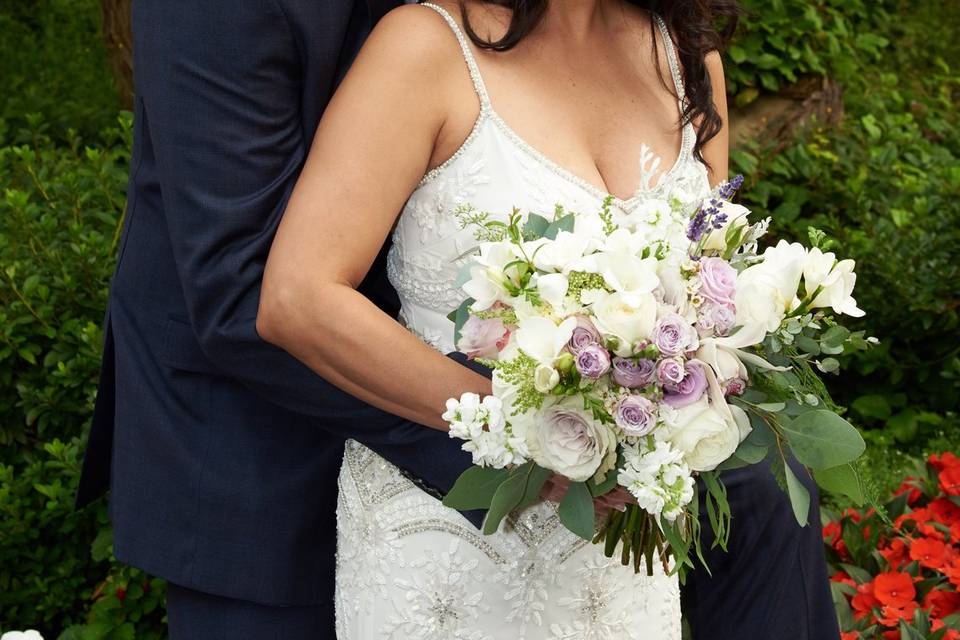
(636, 415)
(567, 440)
(718, 281)
(633, 375)
(584, 335)
(717, 318)
(669, 371)
(673, 335)
(482, 338)
(593, 361)
(690, 389)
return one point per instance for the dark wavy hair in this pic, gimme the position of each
(698, 28)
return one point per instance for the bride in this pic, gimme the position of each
(493, 104)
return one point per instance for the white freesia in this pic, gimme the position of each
(627, 273)
(542, 339)
(552, 288)
(836, 289)
(545, 378)
(737, 217)
(567, 440)
(560, 254)
(768, 290)
(627, 323)
(726, 355)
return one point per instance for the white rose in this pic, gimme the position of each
(30, 634)
(553, 288)
(673, 288)
(627, 323)
(567, 440)
(737, 216)
(704, 436)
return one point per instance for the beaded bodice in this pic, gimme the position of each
(495, 170)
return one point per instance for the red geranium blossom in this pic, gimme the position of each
(891, 616)
(832, 534)
(944, 511)
(896, 554)
(894, 589)
(941, 603)
(850, 635)
(929, 553)
(864, 602)
(909, 487)
(843, 578)
(950, 481)
(943, 461)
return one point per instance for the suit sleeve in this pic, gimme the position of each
(221, 84)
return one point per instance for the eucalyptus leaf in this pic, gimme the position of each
(799, 496)
(821, 439)
(576, 510)
(460, 317)
(535, 227)
(843, 480)
(475, 487)
(562, 224)
(506, 498)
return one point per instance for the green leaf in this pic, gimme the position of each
(576, 510)
(460, 317)
(821, 439)
(563, 224)
(475, 487)
(799, 496)
(535, 227)
(843, 480)
(531, 493)
(872, 406)
(506, 498)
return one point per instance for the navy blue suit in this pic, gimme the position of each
(221, 451)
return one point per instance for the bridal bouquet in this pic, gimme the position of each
(642, 350)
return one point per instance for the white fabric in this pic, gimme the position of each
(409, 568)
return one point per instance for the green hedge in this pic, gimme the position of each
(884, 184)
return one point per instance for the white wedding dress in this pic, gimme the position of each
(408, 567)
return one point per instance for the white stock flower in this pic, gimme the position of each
(657, 477)
(737, 216)
(627, 323)
(488, 436)
(567, 440)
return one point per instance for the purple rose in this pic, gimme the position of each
(669, 371)
(633, 375)
(717, 318)
(690, 389)
(718, 281)
(482, 338)
(673, 335)
(636, 415)
(593, 361)
(584, 335)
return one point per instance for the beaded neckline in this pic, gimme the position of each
(487, 112)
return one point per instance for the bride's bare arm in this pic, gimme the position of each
(717, 151)
(374, 143)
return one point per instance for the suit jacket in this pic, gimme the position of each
(220, 450)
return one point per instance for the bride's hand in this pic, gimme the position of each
(556, 487)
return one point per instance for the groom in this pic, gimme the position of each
(220, 451)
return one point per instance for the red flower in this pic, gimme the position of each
(929, 553)
(850, 635)
(832, 533)
(942, 603)
(951, 634)
(891, 616)
(944, 511)
(894, 589)
(950, 481)
(864, 602)
(952, 571)
(910, 488)
(943, 461)
(896, 554)
(843, 578)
